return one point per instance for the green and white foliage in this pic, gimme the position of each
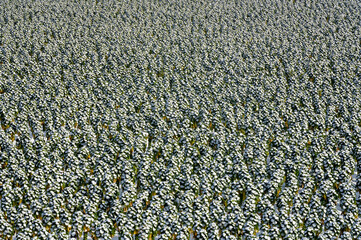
(180, 119)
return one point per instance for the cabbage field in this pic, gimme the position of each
(167, 120)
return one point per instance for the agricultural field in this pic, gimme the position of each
(183, 119)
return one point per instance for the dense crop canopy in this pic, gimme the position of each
(180, 119)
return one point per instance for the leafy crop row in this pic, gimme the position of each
(180, 119)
